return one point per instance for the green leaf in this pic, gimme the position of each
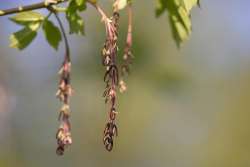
(77, 5)
(22, 38)
(160, 7)
(189, 4)
(80, 2)
(75, 21)
(179, 12)
(26, 18)
(52, 34)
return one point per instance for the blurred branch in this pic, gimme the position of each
(41, 5)
(34, 6)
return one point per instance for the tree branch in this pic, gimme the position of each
(46, 4)
(34, 6)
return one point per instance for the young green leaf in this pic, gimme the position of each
(52, 33)
(75, 23)
(25, 18)
(179, 12)
(22, 38)
(74, 19)
(80, 2)
(77, 5)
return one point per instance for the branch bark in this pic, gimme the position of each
(34, 6)
(46, 4)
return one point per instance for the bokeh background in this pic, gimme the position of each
(183, 108)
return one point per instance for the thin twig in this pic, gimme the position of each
(64, 36)
(130, 14)
(34, 6)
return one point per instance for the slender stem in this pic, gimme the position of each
(64, 37)
(130, 14)
(100, 11)
(34, 6)
(47, 17)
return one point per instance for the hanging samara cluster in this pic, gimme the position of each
(113, 78)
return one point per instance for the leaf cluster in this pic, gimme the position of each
(179, 14)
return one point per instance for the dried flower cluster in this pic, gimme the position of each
(63, 135)
(111, 77)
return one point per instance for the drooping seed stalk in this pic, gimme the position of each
(111, 78)
(64, 92)
(128, 56)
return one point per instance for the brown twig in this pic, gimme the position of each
(34, 6)
(44, 4)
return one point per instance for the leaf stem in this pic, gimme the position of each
(47, 17)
